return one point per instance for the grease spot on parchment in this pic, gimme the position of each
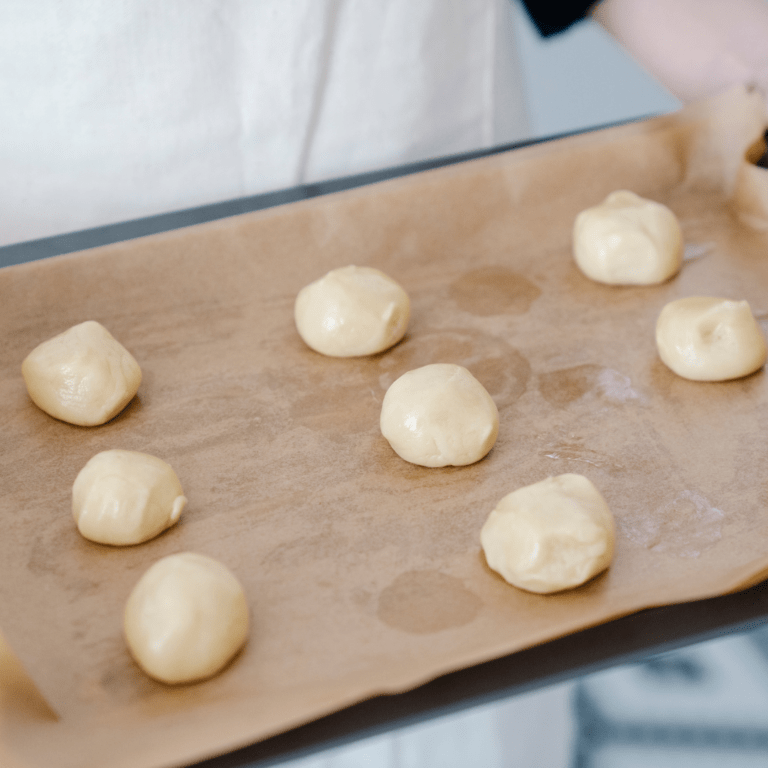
(567, 385)
(494, 291)
(684, 526)
(499, 367)
(423, 602)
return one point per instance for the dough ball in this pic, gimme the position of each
(126, 497)
(628, 240)
(352, 311)
(439, 415)
(709, 339)
(186, 618)
(549, 536)
(82, 376)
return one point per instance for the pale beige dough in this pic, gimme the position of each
(126, 497)
(710, 339)
(82, 376)
(628, 240)
(186, 618)
(552, 535)
(439, 415)
(352, 311)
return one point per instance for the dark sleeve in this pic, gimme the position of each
(553, 16)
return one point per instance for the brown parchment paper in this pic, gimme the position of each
(364, 573)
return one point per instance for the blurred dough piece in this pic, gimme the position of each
(709, 339)
(628, 240)
(439, 415)
(352, 311)
(186, 618)
(82, 376)
(552, 535)
(126, 497)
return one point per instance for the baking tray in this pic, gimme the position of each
(364, 573)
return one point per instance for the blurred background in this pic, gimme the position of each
(583, 78)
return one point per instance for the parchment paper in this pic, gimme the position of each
(364, 573)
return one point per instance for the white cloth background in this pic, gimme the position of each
(116, 109)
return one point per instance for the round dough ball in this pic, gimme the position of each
(628, 240)
(352, 311)
(709, 339)
(82, 376)
(439, 415)
(186, 618)
(126, 497)
(549, 536)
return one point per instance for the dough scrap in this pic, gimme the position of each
(709, 339)
(351, 312)
(126, 497)
(552, 535)
(628, 240)
(186, 618)
(82, 376)
(439, 415)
